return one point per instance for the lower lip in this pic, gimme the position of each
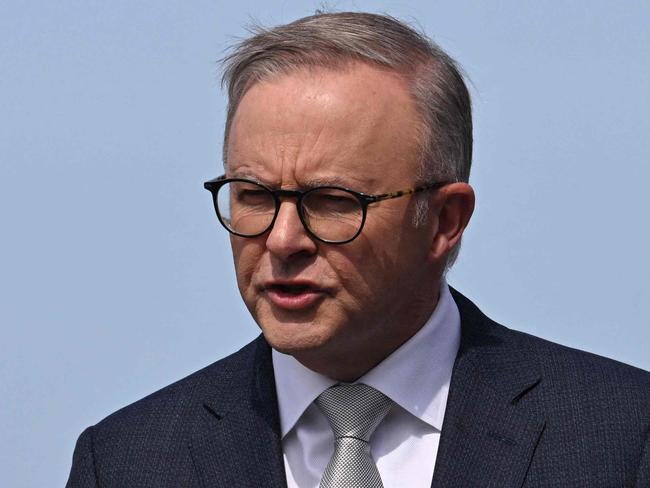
(293, 301)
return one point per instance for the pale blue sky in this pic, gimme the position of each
(116, 278)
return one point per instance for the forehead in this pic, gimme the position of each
(358, 123)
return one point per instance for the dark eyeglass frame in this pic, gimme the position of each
(364, 199)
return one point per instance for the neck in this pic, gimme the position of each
(349, 364)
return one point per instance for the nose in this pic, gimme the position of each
(288, 237)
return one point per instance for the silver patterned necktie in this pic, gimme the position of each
(354, 412)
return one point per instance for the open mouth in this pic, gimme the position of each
(294, 296)
(292, 289)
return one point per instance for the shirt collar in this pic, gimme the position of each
(416, 375)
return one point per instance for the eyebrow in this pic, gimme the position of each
(246, 175)
(348, 182)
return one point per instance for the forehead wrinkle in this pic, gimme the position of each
(349, 182)
(320, 163)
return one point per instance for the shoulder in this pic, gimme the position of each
(572, 383)
(597, 414)
(148, 443)
(587, 384)
(593, 413)
(561, 363)
(168, 409)
(581, 366)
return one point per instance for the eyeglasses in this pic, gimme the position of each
(330, 214)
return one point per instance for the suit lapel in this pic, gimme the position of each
(492, 424)
(237, 439)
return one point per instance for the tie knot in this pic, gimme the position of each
(353, 410)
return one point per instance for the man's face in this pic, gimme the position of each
(324, 302)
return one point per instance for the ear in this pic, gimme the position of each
(453, 205)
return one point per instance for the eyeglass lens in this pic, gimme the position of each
(331, 214)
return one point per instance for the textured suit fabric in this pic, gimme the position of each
(521, 412)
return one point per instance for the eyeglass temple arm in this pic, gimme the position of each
(401, 193)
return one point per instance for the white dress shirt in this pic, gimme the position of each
(416, 377)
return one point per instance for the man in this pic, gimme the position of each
(347, 154)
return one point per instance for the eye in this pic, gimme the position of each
(252, 195)
(332, 201)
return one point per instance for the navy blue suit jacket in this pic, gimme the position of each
(522, 412)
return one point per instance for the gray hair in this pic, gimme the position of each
(334, 40)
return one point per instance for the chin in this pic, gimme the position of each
(295, 336)
(292, 338)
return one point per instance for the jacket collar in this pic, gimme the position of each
(237, 439)
(492, 422)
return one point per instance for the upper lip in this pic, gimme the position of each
(302, 283)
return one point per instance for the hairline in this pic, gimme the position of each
(340, 64)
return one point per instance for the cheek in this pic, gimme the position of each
(362, 271)
(247, 255)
